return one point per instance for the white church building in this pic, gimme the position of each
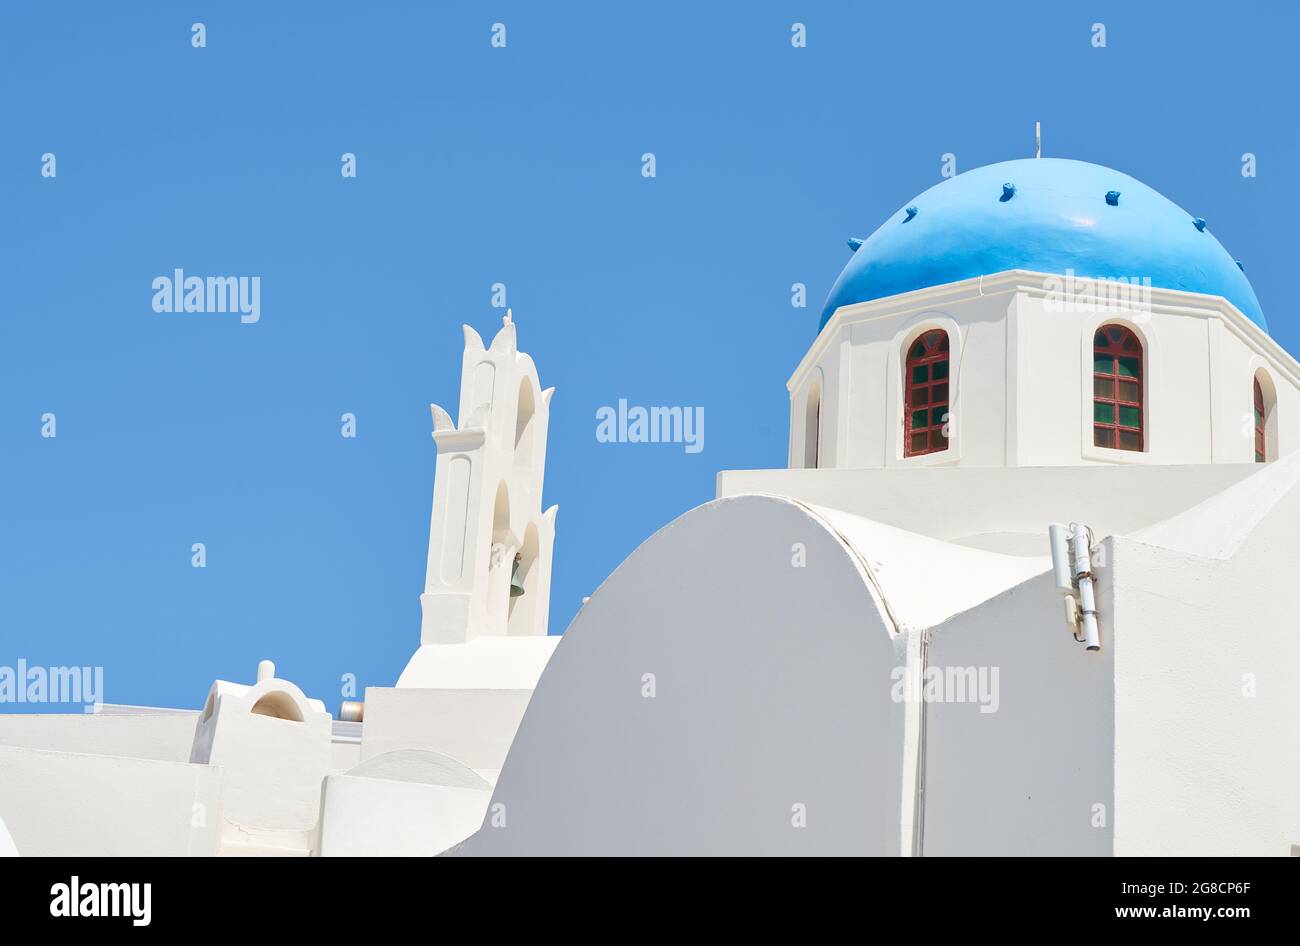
(1019, 591)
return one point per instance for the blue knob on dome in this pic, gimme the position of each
(911, 212)
(1199, 223)
(1008, 191)
(855, 243)
(1112, 198)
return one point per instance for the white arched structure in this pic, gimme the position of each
(487, 494)
(752, 642)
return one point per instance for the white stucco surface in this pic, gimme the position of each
(408, 802)
(273, 746)
(473, 726)
(902, 565)
(771, 698)
(7, 846)
(367, 817)
(166, 737)
(483, 663)
(1022, 779)
(1207, 751)
(957, 503)
(71, 804)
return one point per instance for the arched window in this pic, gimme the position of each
(925, 395)
(1117, 389)
(812, 427)
(1265, 396)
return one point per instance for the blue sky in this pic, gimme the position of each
(479, 165)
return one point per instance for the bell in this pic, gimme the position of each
(516, 585)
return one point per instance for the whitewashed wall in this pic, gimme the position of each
(771, 690)
(473, 726)
(69, 804)
(1026, 778)
(166, 737)
(1207, 699)
(1021, 366)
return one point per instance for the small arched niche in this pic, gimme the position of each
(501, 514)
(525, 425)
(278, 705)
(812, 425)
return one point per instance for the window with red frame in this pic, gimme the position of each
(1117, 389)
(1261, 433)
(925, 395)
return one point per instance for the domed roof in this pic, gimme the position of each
(1056, 215)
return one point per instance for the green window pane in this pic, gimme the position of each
(1103, 412)
(1099, 340)
(1129, 367)
(1259, 418)
(1103, 364)
(938, 416)
(940, 370)
(940, 392)
(920, 373)
(918, 419)
(1130, 416)
(918, 349)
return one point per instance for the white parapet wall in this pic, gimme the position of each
(473, 726)
(409, 802)
(71, 804)
(1007, 509)
(367, 817)
(142, 734)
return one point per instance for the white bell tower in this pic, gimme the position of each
(488, 527)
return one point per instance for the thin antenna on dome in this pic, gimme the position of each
(1038, 139)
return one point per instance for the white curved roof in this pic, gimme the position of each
(903, 569)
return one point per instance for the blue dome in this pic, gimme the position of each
(1056, 215)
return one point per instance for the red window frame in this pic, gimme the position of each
(1118, 385)
(926, 398)
(1261, 432)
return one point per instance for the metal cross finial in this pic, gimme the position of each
(1038, 139)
